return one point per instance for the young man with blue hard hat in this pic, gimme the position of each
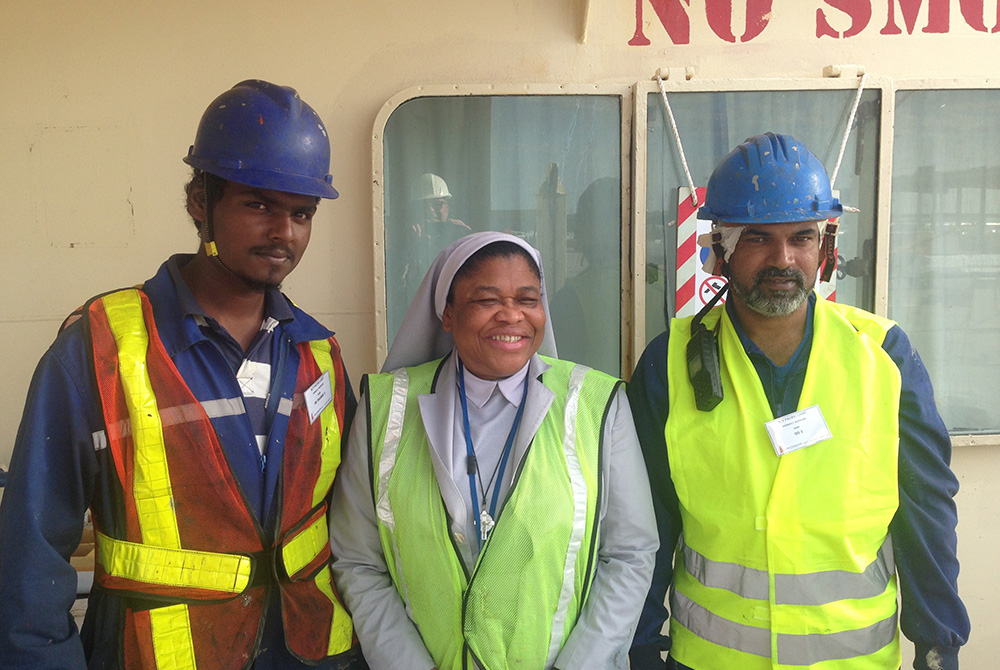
(799, 467)
(199, 417)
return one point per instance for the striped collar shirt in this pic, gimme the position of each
(252, 367)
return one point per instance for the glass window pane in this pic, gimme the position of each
(545, 168)
(944, 268)
(710, 125)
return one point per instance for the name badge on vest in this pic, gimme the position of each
(798, 430)
(318, 396)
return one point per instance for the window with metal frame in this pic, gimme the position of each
(544, 167)
(709, 124)
(944, 253)
(597, 190)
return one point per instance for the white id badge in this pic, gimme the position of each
(798, 430)
(318, 396)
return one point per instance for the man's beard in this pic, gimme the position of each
(255, 284)
(773, 303)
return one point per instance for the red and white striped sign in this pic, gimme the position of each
(695, 287)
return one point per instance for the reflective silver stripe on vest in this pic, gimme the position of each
(386, 463)
(393, 433)
(219, 408)
(579, 486)
(815, 588)
(792, 649)
(809, 649)
(172, 416)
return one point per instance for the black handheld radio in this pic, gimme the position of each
(703, 360)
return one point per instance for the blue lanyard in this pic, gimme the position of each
(472, 467)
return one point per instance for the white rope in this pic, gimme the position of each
(677, 141)
(847, 131)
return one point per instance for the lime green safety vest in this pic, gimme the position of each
(786, 562)
(531, 579)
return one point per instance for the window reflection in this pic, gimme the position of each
(944, 268)
(710, 125)
(546, 168)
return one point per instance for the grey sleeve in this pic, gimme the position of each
(628, 544)
(388, 637)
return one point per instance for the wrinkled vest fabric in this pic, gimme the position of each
(530, 582)
(787, 562)
(190, 560)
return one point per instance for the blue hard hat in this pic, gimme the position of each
(264, 135)
(770, 178)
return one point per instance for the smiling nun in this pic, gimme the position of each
(493, 509)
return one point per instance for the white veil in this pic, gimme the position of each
(421, 337)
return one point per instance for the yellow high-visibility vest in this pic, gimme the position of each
(544, 542)
(786, 562)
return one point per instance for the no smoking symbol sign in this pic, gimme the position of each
(710, 287)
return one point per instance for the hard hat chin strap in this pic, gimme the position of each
(212, 251)
(721, 242)
(209, 235)
(829, 245)
(721, 268)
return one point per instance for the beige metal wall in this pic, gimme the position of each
(99, 101)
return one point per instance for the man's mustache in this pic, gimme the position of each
(274, 250)
(777, 273)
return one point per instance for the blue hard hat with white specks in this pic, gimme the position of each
(770, 178)
(263, 135)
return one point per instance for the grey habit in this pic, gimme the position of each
(628, 539)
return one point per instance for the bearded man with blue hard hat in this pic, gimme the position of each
(799, 467)
(199, 418)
